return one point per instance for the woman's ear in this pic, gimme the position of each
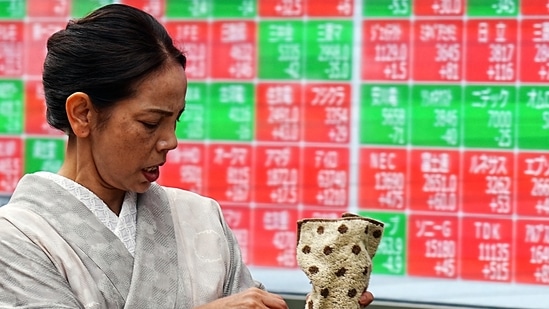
(79, 107)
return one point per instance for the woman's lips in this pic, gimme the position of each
(151, 173)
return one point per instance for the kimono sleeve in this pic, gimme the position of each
(239, 277)
(28, 278)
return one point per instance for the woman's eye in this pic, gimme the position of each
(150, 125)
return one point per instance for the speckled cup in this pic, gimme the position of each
(336, 255)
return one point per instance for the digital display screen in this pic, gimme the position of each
(429, 115)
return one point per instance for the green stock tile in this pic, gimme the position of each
(44, 154)
(281, 47)
(490, 112)
(188, 8)
(329, 50)
(386, 8)
(436, 115)
(211, 8)
(234, 8)
(11, 106)
(533, 120)
(390, 258)
(192, 123)
(384, 115)
(492, 8)
(14, 9)
(81, 8)
(231, 113)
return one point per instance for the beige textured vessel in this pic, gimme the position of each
(336, 255)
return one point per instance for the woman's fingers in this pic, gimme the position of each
(274, 301)
(366, 298)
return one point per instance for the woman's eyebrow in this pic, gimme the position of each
(160, 111)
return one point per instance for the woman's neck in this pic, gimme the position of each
(73, 167)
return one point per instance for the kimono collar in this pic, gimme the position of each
(148, 278)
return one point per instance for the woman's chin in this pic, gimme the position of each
(142, 187)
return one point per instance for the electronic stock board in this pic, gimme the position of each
(430, 115)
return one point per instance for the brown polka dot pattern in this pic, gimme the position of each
(377, 234)
(325, 292)
(320, 230)
(343, 229)
(341, 272)
(336, 255)
(351, 293)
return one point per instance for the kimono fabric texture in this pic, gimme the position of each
(54, 253)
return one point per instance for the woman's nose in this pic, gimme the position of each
(169, 142)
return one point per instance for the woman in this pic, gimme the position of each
(101, 233)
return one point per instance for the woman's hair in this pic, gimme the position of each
(105, 55)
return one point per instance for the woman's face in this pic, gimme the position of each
(131, 145)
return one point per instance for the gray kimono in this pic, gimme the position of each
(54, 253)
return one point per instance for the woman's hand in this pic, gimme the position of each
(252, 298)
(366, 298)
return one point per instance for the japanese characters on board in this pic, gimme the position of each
(430, 115)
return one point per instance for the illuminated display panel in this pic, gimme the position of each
(430, 115)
